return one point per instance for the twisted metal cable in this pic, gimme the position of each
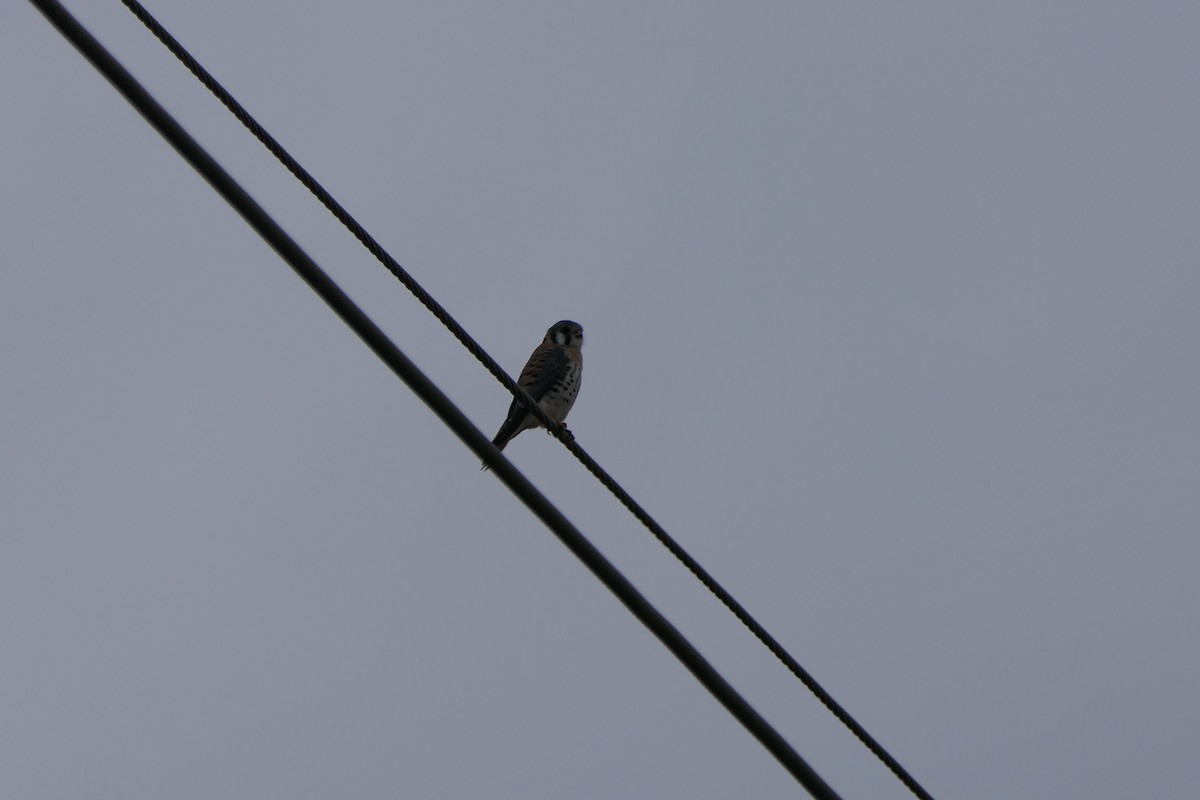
(557, 430)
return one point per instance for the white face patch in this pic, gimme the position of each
(565, 334)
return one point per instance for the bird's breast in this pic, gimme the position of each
(561, 396)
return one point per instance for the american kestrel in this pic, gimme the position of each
(551, 376)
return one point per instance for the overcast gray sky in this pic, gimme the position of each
(892, 321)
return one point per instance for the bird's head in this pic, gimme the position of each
(566, 334)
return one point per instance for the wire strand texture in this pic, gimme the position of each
(481, 355)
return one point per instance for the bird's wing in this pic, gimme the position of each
(543, 369)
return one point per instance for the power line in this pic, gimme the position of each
(494, 368)
(424, 388)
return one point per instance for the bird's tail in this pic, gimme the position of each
(502, 438)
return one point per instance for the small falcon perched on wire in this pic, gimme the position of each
(551, 376)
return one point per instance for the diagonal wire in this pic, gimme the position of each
(494, 368)
(423, 387)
